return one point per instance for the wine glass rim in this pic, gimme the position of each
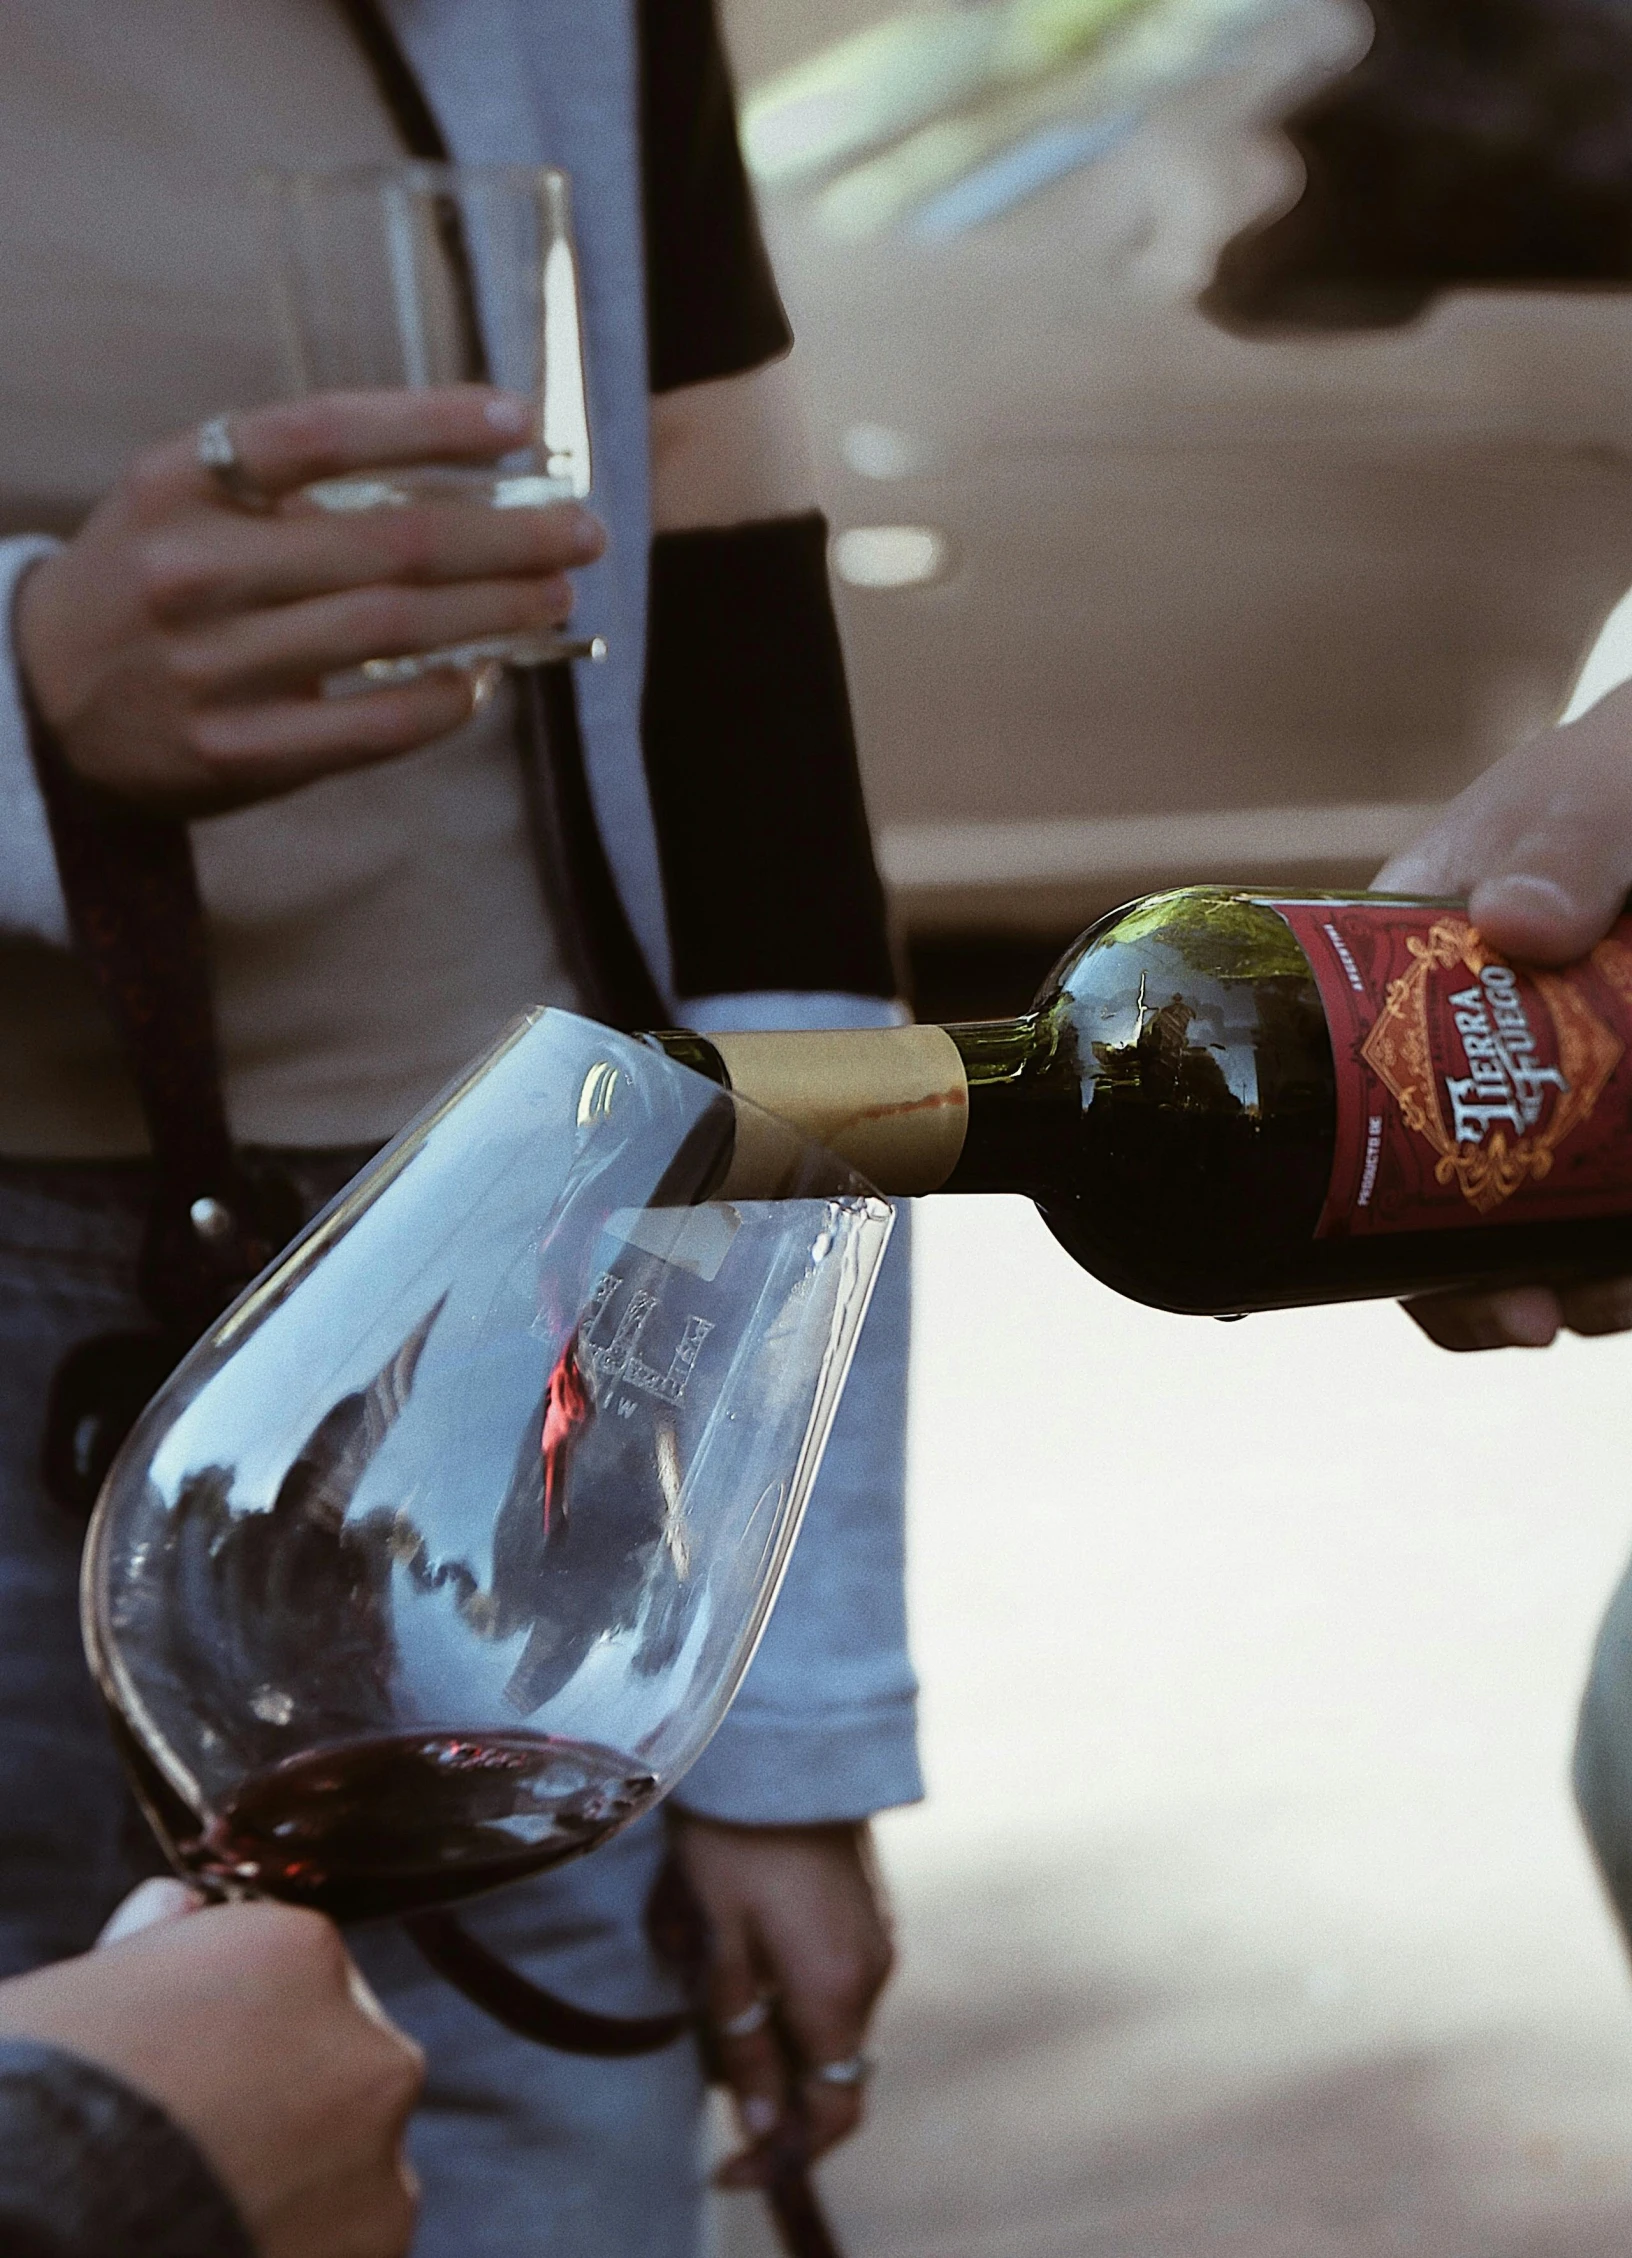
(415, 172)
(846, 1180)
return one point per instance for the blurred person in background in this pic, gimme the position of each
(1540, 848)
(375, 912)
(1470, 148)
(206, 2084)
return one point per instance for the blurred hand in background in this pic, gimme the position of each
(797, 1920)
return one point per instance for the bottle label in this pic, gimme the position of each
(1469, 1089)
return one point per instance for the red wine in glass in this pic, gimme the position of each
(393, 1823)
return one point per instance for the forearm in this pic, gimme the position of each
(731, 452)
(775, 909)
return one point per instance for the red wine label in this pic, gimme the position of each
(1469, 1089)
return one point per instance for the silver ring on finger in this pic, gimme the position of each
(749, 2023)
(216, 451)
(850, 2071)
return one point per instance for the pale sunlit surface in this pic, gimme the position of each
(1248, 1913)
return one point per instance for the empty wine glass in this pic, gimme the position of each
(421, 274)
(440, 1558)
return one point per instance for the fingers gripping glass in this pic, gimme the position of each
(421, 275)
(442, 1555)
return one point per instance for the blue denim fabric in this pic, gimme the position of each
(519, 2149)
(826, 1723)
(71, 1839)
(1603, 1752)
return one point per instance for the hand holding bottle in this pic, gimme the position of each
(1541, 847)
(178, 645)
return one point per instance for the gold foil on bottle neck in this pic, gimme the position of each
(892, 1101)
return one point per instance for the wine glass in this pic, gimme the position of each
(440, 1557)
(420, 274)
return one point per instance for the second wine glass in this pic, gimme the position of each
(420, 275)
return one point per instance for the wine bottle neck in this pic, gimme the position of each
(998, 1057)
(892, 1101)
(905, 1106)
(913, 1109)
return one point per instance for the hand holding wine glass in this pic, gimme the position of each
(250, 2028)
(178, 646)
(422, 275)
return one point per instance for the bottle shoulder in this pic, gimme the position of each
(1191, 933)
(1200, 998)
(1212, 932)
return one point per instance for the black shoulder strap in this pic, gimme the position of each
(138, 925)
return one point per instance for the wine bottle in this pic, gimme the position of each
(1224, 1101)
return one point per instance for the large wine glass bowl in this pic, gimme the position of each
(441, 1556)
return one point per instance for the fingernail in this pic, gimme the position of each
(1523, 890)
(161, 1899)
(484, 681)
(1528, 1316)
(587, 535)
(759, 2115)
(511, 416)
(364, 2000)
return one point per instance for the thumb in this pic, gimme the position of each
(1538, 918)
(162, 1899)
(1541, 845)
(1563, 893)
(1557, 876)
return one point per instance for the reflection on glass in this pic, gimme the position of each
(442, 1556)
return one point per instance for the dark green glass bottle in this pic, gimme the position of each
(1225, 1101)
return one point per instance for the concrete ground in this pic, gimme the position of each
(1248, 1914)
